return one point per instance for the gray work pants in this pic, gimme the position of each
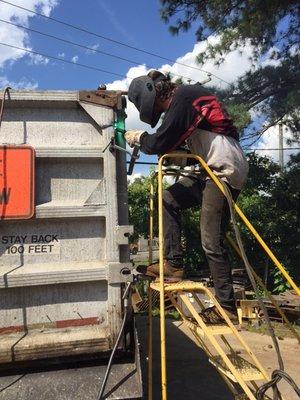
(190, 192)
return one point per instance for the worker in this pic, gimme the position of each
(192, 116)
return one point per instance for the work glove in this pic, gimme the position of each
(133, 137)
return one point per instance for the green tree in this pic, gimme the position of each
(270, 200)
(272, 28)
(138, 201)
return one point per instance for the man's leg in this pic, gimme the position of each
(214, 221)
(185, 193)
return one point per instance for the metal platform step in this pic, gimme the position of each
(247, 370)
(218, 329)
(185, 286)
(184, 297)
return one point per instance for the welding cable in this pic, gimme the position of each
(277, 374)
(5, 92)
(109, 365)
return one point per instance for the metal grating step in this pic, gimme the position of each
(247, 370)
(186, 286)
(218, 329)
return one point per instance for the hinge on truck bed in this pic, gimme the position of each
(122, 233)
(109, 98)
(119, 272)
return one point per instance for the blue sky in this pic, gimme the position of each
(135, 22)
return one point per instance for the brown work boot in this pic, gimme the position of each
(171, 274)
(212, 316)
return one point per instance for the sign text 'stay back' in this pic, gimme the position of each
(31, 244)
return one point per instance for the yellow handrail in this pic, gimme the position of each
(150, 259)
(151, 220)
(150, 344)
(162, 287)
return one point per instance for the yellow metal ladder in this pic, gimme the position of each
(239, 374)
(236, 371)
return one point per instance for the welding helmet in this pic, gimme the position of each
(142, 94)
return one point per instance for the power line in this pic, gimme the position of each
(155, 163)
(119, 75)
(284, 148)
(81, 29)
(65, 61)
(84, 47)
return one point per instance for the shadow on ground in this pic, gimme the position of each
(190, 375)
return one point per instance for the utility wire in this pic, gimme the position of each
(85, 47)
(65, 61)
(284, 148)
(155, 163)
(81, 29)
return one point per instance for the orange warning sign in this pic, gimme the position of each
(16, 182)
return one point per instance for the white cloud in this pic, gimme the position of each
(133, 120)
(133, 177)
(270, 140)
(235, 65)
(23, 83)
(74, 59)
(61, 55)
(16, 36)
(268, 60)
(38, 59)
(93, 47)
(44, 6)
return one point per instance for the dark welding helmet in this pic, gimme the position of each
(142, 94)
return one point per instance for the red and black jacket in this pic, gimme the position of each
(192, 107)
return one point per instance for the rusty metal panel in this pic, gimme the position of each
(53, 306)
(108, 98)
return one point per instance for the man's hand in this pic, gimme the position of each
(133, 137)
